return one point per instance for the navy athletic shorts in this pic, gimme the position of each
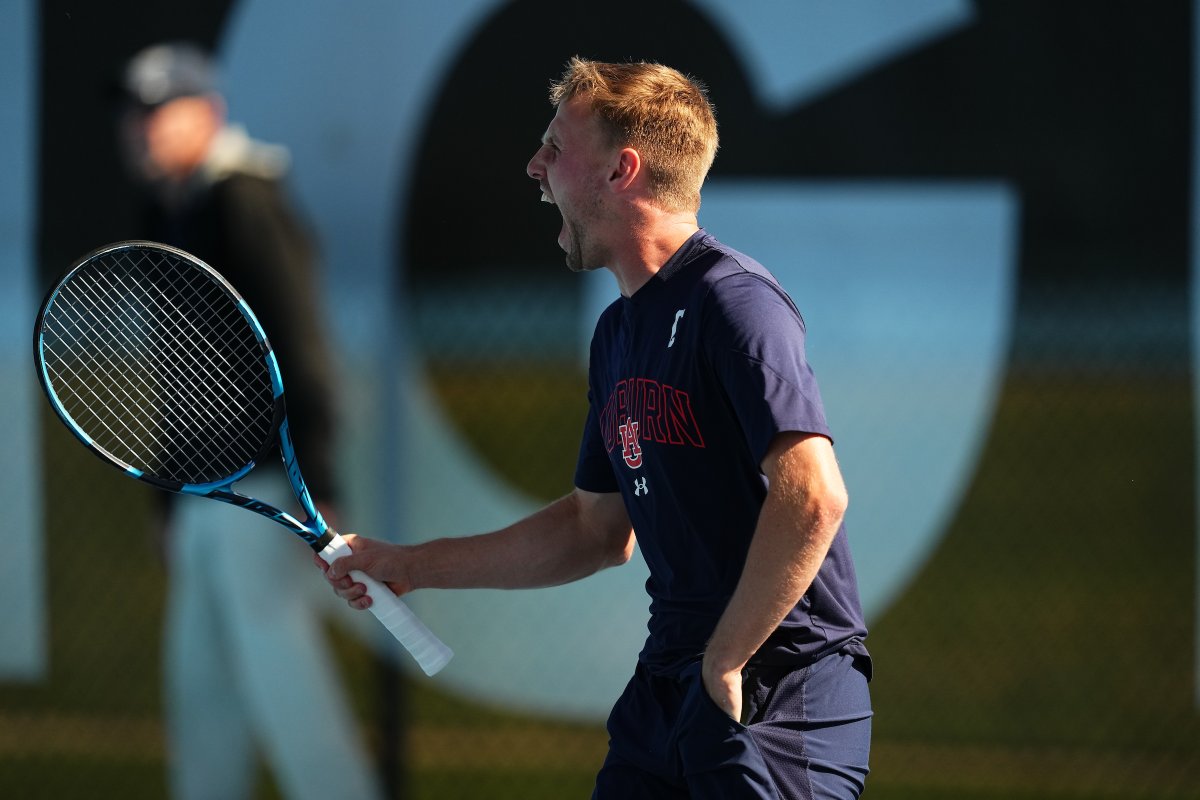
(808, 737)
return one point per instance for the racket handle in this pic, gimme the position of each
(428, 650)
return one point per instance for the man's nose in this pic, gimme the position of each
(535, 168)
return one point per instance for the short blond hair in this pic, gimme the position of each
(660, 112)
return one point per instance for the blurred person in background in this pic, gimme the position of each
(247, 666)
(707, 436)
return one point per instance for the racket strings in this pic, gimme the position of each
(170, 345)
(153, 359)
(116, 385)
(162, 343)
(194, 353)
(135, 390)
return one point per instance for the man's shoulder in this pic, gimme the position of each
(722, 262)
(737, 289)
(237, 185)
(253, 198)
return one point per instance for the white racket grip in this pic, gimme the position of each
(428, 650)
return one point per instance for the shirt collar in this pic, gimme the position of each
(678, 260)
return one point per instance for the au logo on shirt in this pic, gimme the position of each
(631, 449)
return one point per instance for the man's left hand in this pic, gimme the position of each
(724, 687)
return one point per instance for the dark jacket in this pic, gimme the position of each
(237, 219)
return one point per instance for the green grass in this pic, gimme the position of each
(47, 778)
(1059, 607)
(523, 420)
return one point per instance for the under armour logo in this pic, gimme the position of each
(640, 488)
(631, 449)
(675, 325)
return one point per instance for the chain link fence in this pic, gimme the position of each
(1046, 648)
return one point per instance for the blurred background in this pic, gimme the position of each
(985, 211)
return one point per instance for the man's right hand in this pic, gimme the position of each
(381, 560)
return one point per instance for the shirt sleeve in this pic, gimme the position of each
(593, 470)
(754, 336)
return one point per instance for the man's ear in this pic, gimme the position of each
(626, 170)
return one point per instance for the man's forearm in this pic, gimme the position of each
(558, 544)
(800, 517)
(789, 545)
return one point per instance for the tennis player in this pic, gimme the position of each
(706, 435)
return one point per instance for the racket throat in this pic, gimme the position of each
(324, 540)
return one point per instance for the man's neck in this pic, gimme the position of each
(648, 249)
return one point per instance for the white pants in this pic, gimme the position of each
(247, 669)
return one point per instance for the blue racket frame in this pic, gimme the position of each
(313, 530)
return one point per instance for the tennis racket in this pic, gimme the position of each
(159, 367)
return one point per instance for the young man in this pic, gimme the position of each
(706, 436)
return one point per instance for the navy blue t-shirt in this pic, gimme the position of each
(689, 381)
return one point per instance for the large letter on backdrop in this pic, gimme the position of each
(906, 288)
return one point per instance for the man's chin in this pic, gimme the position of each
(576, 263)
(573, 257)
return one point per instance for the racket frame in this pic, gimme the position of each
(314, 530)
